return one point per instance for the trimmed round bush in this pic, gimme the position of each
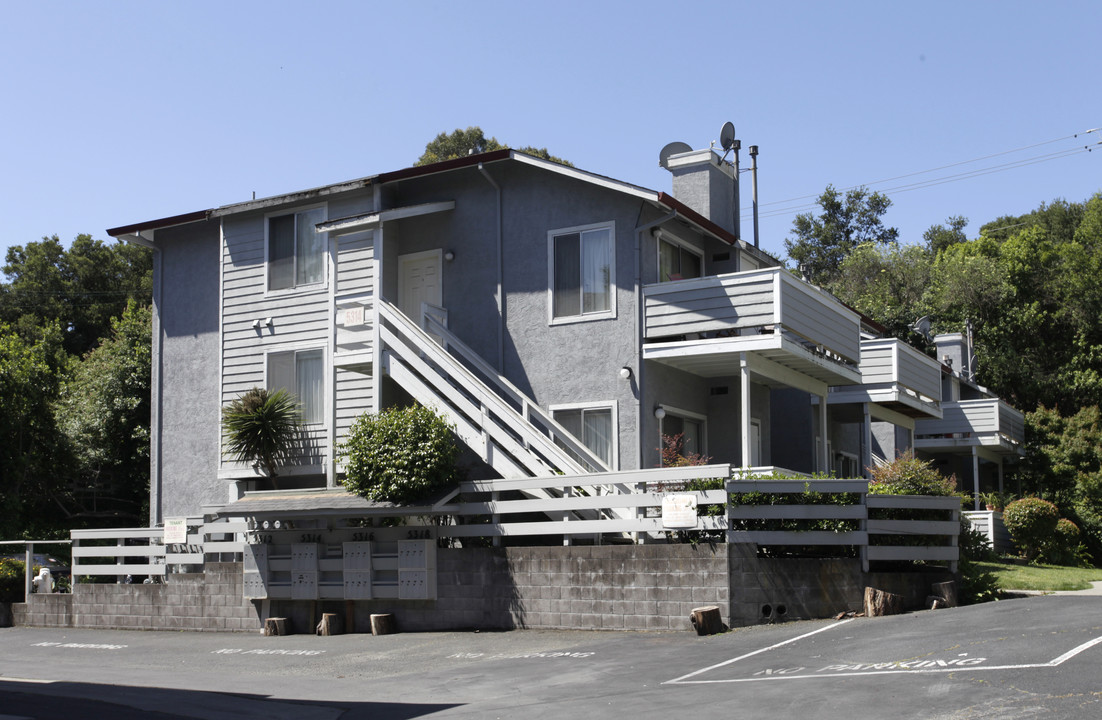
(1032, 523)
(400, 455)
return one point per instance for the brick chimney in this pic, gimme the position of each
(707, 184)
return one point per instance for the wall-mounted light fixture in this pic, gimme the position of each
(659, 412)
(625, 372)
(449, 255)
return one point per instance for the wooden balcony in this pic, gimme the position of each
(704, 326)
(895, 376)
(989, 423)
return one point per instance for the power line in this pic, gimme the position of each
(950, 178)
(943, 179)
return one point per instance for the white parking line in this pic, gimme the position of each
(891, 668)
(751, 654)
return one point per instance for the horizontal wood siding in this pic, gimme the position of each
(876, 362)
(354, 391)
(300, 320)
(355, 279)
(979, 417)
(734, 301)
(918, 371)
(819, 318)
(894, 361)
(354, 264)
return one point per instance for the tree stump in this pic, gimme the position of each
(383, 624)
(706, 620)
(946, 593)
(277, 626)
(330, 624)
(879, 602)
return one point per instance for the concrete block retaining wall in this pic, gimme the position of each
(774, 589)
(210, 600)
(612, 587)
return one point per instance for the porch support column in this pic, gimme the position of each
(824, 456)
(866, 442)
(1001, 475)
(744, 409)
(976, 476)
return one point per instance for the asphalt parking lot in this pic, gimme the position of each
(1011, 659)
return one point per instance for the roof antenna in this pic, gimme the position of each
(729, 143)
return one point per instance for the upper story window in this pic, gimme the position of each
(301, 372)
(677, 262)
(296, 254)
(581, 262)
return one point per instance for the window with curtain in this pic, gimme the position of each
(581, 272)
(302, 373)
(592, 427)
(296, 253)
(676, 262)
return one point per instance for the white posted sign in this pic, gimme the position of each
(679, 512)
(175, 531)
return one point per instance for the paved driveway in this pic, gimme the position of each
(1013, 659)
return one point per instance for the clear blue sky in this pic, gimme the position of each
(119, 112)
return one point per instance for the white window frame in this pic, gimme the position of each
(583, 316)
(325, 378)
(614, 460)
(667, 236)
(321, 284)
(685, 415)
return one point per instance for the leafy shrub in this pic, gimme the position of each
(907, 475)
(12, 580)
(673, 452)
(976, 584)
(261, 427)
(400, 455)
(1064, 546)
(1032, 523)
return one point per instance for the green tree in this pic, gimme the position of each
(103, 414)
(82, 287)
(31, 462)
(472, 141)
(1063, 464)
(262, 427)
(888, 283)
(820, 243)
(939, 237)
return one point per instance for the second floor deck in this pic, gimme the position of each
(896, 376)
(702, 325)
(988, 422)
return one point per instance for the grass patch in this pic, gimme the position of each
(1041, 577)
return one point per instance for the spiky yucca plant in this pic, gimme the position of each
(261, 427)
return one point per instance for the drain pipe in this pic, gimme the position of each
(640, 372)
(500, 292)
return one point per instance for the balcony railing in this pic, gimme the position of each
(751, 303)
(988, 421)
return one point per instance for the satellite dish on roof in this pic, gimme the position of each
(674, 148)
(922, 327)
(727, 136)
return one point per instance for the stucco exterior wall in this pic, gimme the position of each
(186, 414)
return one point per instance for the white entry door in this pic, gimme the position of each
(419, 282)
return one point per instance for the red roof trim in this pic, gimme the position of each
(698, 219)
(184, 219)
(443, 166)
